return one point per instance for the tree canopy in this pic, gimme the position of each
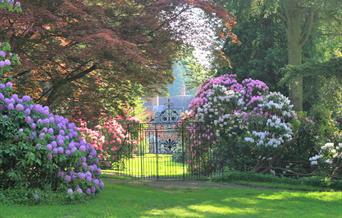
(274, 34)
(75, 51)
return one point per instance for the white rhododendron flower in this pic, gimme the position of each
(330, 155)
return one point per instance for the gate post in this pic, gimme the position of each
(156, 140)
(141, 150)
(183, 151)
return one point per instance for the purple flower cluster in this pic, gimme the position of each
(228, 80)
(4, 86)
(254, 87)
(252, 90)
(10, 3)
(4, 62)
(78, 168)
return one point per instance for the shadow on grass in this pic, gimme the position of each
(123, 198)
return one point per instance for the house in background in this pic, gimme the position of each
(168, 108)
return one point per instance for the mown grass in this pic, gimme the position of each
(266, 180)
(130, 198)
(151, 165)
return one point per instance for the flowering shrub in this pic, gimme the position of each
(272, 114)
(93, 137)
(113, 139)
(10, 5)
(329, 159)
(6, 59)
(117, 143)
(241, 120)
(39, 149)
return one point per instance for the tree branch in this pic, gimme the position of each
(50, 92)
(284, 14)
(307, 32)
(167, 21)
(21, 74)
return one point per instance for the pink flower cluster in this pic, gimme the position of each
(93, 137)
(111, 139)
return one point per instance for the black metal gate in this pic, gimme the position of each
(166, 151)
(164, 148)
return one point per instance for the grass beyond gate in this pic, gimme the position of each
(127, 198)
(151, 165)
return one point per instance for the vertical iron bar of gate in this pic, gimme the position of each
(183, 152)
(156, 136)
(127, 170)
(149, 150)
(141, 148)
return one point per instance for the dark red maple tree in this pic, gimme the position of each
(89, 56)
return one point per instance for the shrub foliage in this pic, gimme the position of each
(39, 149)
(245, 123)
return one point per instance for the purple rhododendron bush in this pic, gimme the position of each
(40, 150)
(241, 125)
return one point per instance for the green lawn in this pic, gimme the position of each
(129, 198)
(146, 166)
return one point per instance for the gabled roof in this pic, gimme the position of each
(179, 103)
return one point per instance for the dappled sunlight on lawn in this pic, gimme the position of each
(325, 196)
(131, 198)
(322, 196)
(226, 202)
(171, 212)
(207, 208)
(247, 201)
(199, 210)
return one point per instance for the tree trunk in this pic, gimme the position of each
(294, 20)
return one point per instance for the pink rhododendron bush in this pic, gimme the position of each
(241, 125)
(114, 138)
(41, 150)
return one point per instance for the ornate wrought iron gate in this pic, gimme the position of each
(164, 149)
